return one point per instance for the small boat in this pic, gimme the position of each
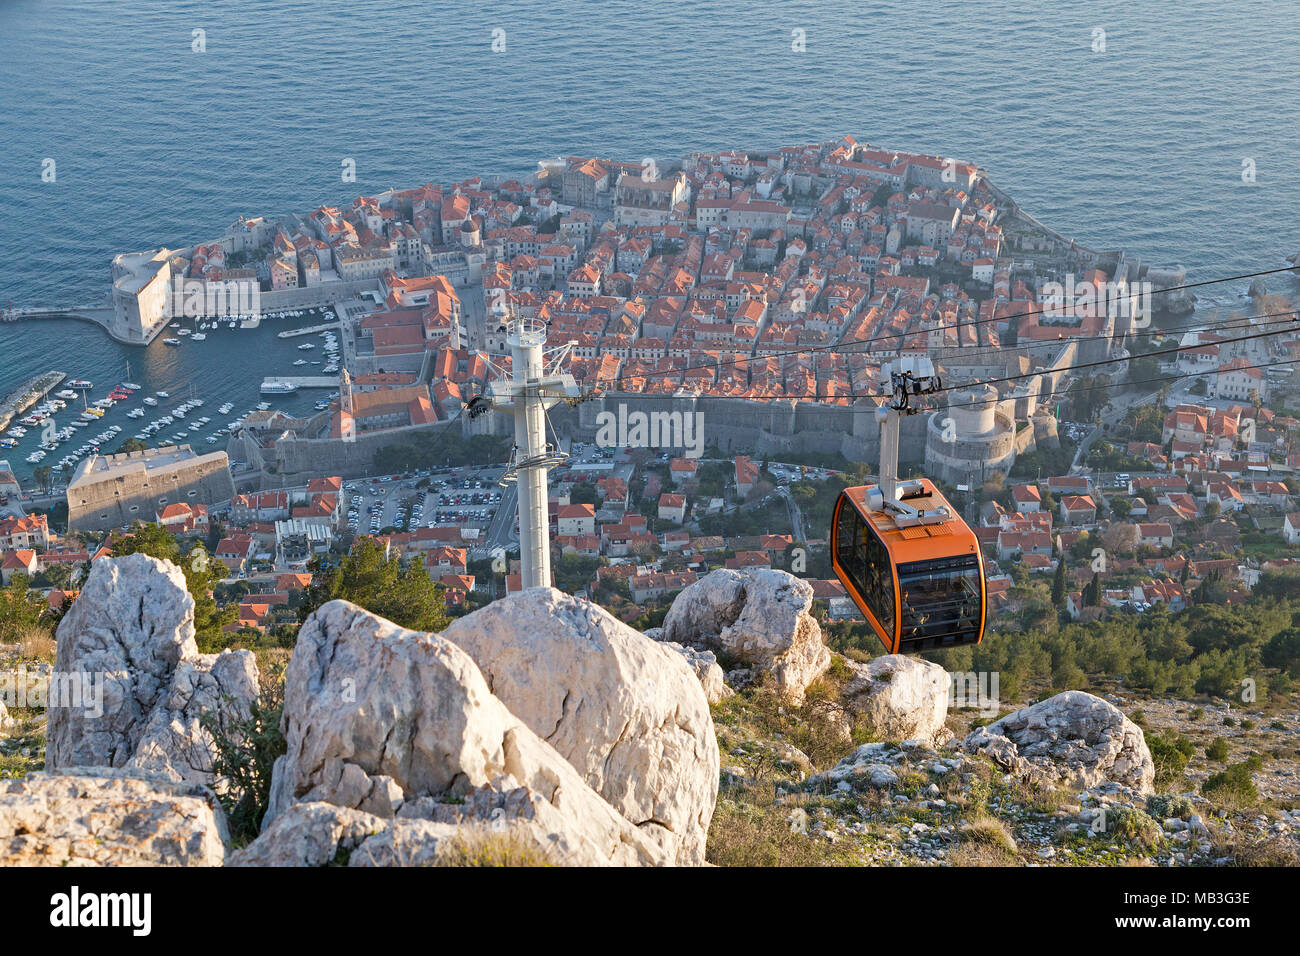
(79, 383)
(151, 401)
(277, 388)
(162, 394)
(198, 337)
(171, 341)
(67, 393)
(306, 346)
(130, 386)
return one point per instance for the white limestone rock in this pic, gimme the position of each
(309, 834)
(1074, 739)
(899, 697)
(629, 714)
(760, 618)
(131, 632)
(707, 671)
(101, 817)
(370, 705)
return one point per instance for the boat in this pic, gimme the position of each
(306, 346)
(66, 393)
(198, 337)
(162, 394)
(79, 383)
(151, 401)
(278, 387)
(171, 341)
(300, 362)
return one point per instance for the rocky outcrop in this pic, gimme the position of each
(707, 671)
(100, 817)
(898, 697)
(758, 619)
(129, 640)
(1074, 739)
(395, 723)
(310, 834)
(627, 713)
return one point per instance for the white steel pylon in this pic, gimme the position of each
(527, 393)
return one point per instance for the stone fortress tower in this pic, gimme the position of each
(971, 439)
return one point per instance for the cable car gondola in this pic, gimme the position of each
(919, 584)
(911, 564)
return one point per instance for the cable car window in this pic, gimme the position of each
(864, 559)
(941, 600)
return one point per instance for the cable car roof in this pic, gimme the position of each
(920, 542)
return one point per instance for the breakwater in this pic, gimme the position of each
(26, 395)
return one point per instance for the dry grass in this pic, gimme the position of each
(1256, 852)
(483, 848)
(984, 841)
(750, 829)
(37, 644)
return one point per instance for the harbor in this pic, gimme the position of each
(194, 392)
(28, 394)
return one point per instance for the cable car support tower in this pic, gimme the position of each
(534, 384)
(914, 376)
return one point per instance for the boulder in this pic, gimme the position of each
(898, 697)
(131, 625)
(102, 817)
(707, 671)
(130, 635)
(758, 618)
(629, 714)
(375, 714)
(309, 834)
(1074, 739)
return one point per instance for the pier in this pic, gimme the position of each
(28, 394)
(306, 381)
(311, 330)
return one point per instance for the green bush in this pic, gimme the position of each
(1218, 750)
(246, 750)
(1170, 758)
(1235, 783)
(1162, 806)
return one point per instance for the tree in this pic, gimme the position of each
(132, 444)
(378, 582)
(42, 474)
(1121, 507)
(201, 579)
(584, 493)
(20, 610)
(1058, 583)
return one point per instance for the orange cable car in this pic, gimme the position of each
(919, 585)
(909, 562)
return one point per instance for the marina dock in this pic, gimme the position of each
(310, 330)
(306, 381)
(29, 393)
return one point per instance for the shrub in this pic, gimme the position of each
(1163, 806)
(1133, 826)
(1234, 785)
(1170, 760)
(1198, 713)
(1218, 750)
(246, 750)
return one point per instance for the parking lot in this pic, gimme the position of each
(459, 496)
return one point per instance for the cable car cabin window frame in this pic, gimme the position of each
(866, 551)
(956, 584)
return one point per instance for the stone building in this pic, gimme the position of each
(112, 491)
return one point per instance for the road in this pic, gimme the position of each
(1114, 412)
(796, 516)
